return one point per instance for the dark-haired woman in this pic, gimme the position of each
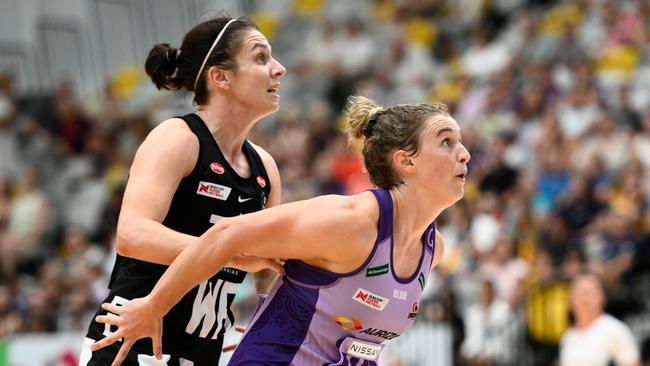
(188, 174)
(358, 264)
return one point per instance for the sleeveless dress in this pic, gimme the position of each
(193, 330)
(316, 317)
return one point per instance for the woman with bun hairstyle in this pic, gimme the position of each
(190, 173)
(357, 265)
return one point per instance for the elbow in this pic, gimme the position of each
(124, 239)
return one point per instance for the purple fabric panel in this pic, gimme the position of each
(279, 329)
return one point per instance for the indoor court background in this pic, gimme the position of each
(553, 98)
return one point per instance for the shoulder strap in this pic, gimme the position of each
(385, 202)
(195, 124)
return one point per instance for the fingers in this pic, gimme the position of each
(121, 355)
(108, 319)
(229, 348)
(240, 329)
(111, 308)
(107, 341)
(157, 344)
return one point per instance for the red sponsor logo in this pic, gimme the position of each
(261, 181)
(369, 299)
(213, 190)
(217, 168)
(362, 296)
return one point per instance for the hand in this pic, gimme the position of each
(249, 263)
(231, 347)
(134, 320)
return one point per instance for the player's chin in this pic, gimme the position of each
(270, 109)
(274, 103)
(460, 193)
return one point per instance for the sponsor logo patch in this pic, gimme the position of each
(414, 311)
(217, 168)
(213, 190)
(348, 324)
(364, 350)
(399, 294)
(369, 299)
(377, 271)
(380, 333)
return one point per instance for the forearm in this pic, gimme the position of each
(151, 241)
(197, 263)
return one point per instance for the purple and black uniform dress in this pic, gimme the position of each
(316, 317)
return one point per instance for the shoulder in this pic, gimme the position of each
(361, 213)
(171, 145)
(174, 137)
(174, 130)
(363, 206)
(346, 219)
(349, 224)
(273, 173)
(612, 324)
(267, 159)
(567, 337)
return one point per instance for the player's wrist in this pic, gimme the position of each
(155, 306)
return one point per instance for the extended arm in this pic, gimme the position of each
(331, 230)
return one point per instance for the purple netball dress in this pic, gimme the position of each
(316, 317)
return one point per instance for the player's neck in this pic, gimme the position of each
(228, 125)
(411, 215)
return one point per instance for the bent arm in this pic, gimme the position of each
(325, 228)
(168, 154)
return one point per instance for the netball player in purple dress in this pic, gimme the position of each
(357, 264)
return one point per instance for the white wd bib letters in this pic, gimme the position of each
(207, 297)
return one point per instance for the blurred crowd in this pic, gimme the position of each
(553, 98)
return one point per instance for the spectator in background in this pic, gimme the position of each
(10, 320)
(9, 150)
(488, 330)
(506, 271)
(547, 306)
(20, 249)
(596, 338)
(610, 247)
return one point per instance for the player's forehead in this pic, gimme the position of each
(253, 40)
(441, 124)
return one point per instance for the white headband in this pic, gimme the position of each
(198, 75)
